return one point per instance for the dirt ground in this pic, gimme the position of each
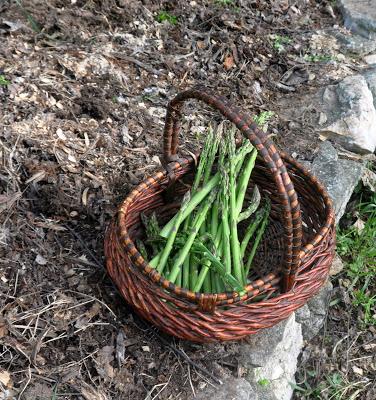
(84, 91)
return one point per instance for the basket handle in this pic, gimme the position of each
(289, 201)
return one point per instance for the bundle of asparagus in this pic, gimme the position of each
(200, 248)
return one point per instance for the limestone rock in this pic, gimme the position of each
(351, 114)
(370, 77)
(231, 389)
(370, 59)
(354, 44)
(359, 16)
(312, 315)
(270, 357)
(338, 176)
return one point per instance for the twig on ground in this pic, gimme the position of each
(140, 64)
(182, 354)
(83, 244)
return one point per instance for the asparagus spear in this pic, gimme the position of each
(253, 205)
(196, 224)
(192, 204)
(243, 181)
(235, 246)
(173, 232)
(260, 232)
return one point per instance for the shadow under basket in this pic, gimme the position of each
(275, 290)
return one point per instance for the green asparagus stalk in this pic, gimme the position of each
(235, 246)
(172, 234)
(204, 167)
(203, 161)
(141, 248)
(196, 225)
(241, 155)
(224, 229)
(211, 155)
(226, 234)
(253, 205)
(192, 204)
(250, 231)
(203, 235)
(199, 248)
(179, 278)
(185, 282)
(206, 265)
(152, 231)
(214, 218)
(207, 284)
(193, 270)
(260, 232)
(155, 260)
(243, 181)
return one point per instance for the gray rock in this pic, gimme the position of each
(270, 358)
(370, 77)
(326, 154)
(351, 114)
(312, 315)
(370, 59)
(231, 389)
(338, 176)
(359, 16)
(354, 44)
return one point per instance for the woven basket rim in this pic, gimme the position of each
(219, 298)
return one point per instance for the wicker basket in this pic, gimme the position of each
(291, 263)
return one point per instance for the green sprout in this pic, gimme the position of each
(166, 16)
(33, 23)
(279, 42)
(4, 81)
(225, 2)
(319, 58)
(263, 382)
(263, 118)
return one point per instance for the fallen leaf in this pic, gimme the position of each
(87, 140)
(357, 370)
(93, 177)
(156, 160)
(4, 378)
(359, 225)
(84, 196)
(120, 347)
(40, 260)
(3, 328)
(127, 138)
(49, 224)
(38, 176)
(90, 393)
(72, 158)
(60, 134)
(337, 266)
(104, 359)
(94, 310)
(369, 179)
(7, 201)
(82, 322)
(229, 63)
(200, 44)
(369, 347)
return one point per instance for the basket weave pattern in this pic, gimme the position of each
(291, 263)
